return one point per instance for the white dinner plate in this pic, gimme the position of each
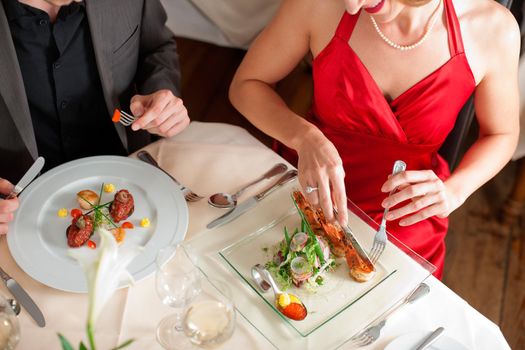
(411, 341)
(37, 236)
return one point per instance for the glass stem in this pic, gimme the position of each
(178, 323)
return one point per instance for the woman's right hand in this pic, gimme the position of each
(321, 166)
(7, 206)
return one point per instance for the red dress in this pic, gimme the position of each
(370, 133)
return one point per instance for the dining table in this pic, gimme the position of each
(211, 158)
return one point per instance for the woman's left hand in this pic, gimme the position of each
(427, 194)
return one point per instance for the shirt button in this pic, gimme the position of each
(63, 104)
(42, 22)
(56, 65)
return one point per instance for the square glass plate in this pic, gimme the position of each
(338, 293)
(335, 314)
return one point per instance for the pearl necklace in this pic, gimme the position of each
(417, 43)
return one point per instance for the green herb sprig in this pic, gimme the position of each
(98, 215)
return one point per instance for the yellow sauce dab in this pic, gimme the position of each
(62, 212)
(109, 188)
(144, 222)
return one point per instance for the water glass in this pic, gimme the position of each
(177, 284)
(9, 328)
(209, 320)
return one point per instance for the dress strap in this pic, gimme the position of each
(346, 26)
(455, 42)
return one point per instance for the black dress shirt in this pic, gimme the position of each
(61, 80)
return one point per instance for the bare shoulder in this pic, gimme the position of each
(489, 31)
(324, 23)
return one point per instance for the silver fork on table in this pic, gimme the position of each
(380, 237)
(372, 333)
(189, 195)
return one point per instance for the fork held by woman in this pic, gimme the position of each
(380, 238)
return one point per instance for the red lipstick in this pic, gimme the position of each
(376, 8)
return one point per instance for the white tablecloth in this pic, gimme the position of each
(209, 158)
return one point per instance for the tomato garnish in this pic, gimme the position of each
(127, 224)
(116, 116)
(76, 212)
(91, 244)
(294, 311)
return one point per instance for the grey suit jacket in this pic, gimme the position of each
(135, 53)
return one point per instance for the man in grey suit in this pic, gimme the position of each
(65, 65)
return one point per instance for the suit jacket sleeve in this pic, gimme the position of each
(158, 66)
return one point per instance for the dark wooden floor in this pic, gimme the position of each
(485, 262)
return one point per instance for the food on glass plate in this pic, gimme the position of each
(361, 269)
(87, 199)
(80, 230)
(122, 206)
(301, 259)
(290, 306)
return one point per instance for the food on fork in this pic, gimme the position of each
(80, 230)
(87, 199)
(361, 269)
(122, 206)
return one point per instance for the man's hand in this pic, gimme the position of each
(7, 207)
(160, 113)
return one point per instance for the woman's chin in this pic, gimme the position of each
(375, 8)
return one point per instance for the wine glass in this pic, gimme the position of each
(9, 328)
(177, 283)
(209, 320)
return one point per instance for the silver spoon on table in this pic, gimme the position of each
(228, 201)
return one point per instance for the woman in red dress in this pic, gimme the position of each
(390, 77)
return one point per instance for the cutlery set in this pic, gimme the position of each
(21, 296)
(251, 202)
(373, 332)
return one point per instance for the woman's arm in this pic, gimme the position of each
(274, 54)
(497, 112)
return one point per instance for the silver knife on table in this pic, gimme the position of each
(23, 298)
(29, 176)
(251, 202)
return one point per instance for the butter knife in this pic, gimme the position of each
(431, 338)
(23, 298)
(29, 176)
(251, 202)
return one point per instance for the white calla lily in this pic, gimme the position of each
(104, 267)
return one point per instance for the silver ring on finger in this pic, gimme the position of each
(310, 189)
